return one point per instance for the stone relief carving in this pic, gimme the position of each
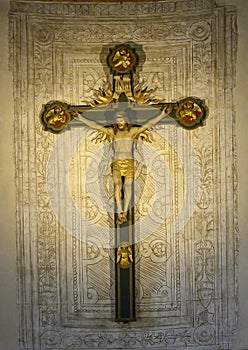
(178, 274)
(102, 10)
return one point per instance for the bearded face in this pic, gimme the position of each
(121, 120)
(121, 123)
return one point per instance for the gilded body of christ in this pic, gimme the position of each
(123, 134)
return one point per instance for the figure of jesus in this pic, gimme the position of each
(123, 134)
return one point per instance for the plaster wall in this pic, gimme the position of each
(9, 317)
(8, 285)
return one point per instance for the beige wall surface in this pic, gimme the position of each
(8, 299)
(240, 96)
(8, 284)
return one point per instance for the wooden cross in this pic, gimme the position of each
(56, 115)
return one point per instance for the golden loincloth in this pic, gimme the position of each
(123, 167)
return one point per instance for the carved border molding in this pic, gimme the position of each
(110, 9)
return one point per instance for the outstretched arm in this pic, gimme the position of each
(92, 124)
(166, 111)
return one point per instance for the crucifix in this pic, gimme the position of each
(189, 113)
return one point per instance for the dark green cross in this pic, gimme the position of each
(55, 117)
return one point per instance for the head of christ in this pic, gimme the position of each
(121, 122)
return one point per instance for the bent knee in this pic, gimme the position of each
(128, 184)
(117, 183)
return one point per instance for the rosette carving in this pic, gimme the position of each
(50, 339)
(204, 334)
(43, 34)
(200, 31)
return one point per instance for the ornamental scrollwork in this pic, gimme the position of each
(205, 159)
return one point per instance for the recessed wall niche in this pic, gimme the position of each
(186, 293)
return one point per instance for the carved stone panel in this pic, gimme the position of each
(185, 181)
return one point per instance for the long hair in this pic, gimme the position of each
(125, 117)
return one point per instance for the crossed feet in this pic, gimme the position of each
(122, 217)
